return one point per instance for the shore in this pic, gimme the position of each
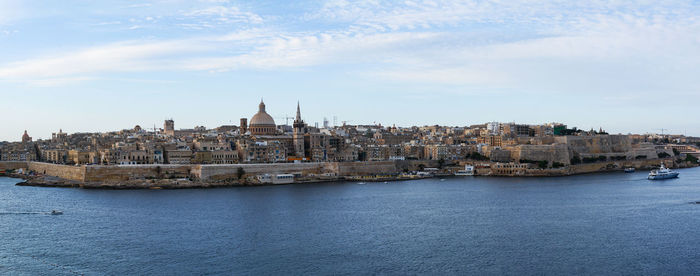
(41, 180)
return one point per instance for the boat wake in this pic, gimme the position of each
(27, 213)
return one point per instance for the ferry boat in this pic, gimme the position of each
(629, 170)
(468, 171)
(662, 173)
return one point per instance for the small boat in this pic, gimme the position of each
(56, 212)
(662, 173)
(629, 170)
(468, 171)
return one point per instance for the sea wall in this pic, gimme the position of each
(551, 153)
(13, 165)
(618, 165)
(596, 144)
(76, 173)
(115, 173)
(366, 168)
(217, 172)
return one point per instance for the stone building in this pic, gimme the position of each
(169, 127)
(26, 138)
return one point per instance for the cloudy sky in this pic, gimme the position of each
(625, 66)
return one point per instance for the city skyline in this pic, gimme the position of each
(628, 67)
(282, 118)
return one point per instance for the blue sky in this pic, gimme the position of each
(625, 66)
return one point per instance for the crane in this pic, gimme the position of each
(286, 118)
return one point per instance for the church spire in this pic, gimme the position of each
(298, 119)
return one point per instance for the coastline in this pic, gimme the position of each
(45, 180)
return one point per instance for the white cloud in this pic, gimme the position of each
(537, 46)
(225, 15)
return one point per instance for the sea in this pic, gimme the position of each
(595, 224)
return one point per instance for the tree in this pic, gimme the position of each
(575, 160)
(676, 152)
(240, 172)
(441, 163)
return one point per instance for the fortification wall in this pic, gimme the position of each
(130, 172)
(13, 165)
(367, 168)
(618, 165)
(552, 153)
(596, 144)
(76, 173)
(215, 172)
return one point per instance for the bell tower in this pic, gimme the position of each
(299, 131)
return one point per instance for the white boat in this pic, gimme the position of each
(629, 170)
(468, 171)
(662, 173)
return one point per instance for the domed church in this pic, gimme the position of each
(262, 123)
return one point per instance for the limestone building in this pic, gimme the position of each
(26, 138)
(169, 127)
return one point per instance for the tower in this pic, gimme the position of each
(244, 125)
(169, 127)
(26, 138)
(299, 131)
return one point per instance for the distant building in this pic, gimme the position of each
(59, 137)
(26, 138)
(169, 127)
(244, 126)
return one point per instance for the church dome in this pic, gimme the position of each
(262, 118)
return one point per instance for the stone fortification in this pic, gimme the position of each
(596, 144)
(217, 172)
(117, 173)
(551, 153)
(13, 165)
(76, 173)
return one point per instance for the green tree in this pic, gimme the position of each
(240, 172)
(576, 160)
(556, 164)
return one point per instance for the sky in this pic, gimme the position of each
(85, 66)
